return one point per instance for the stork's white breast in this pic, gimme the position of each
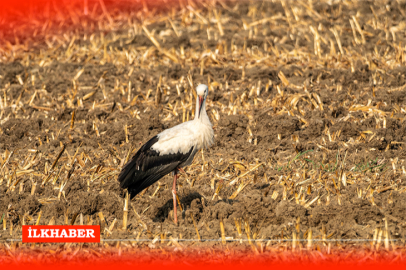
(182, 137)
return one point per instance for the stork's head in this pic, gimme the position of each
(202, 90)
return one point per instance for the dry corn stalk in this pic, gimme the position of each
(223, 234)
(238, 226)
(125, 211)
(244, 174)
(194, 224)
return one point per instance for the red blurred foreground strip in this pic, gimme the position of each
(61, 234)
(184, 265)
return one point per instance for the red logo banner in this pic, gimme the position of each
(61, 233)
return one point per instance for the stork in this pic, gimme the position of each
(169, 151)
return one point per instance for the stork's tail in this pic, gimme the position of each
(127, 174)
(128, 178)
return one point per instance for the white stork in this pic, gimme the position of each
(169, 151)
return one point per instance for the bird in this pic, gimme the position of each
(169, 151)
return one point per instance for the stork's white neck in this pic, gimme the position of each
(204, 118)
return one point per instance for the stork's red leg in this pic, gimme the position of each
(182, 171)
(175, 215)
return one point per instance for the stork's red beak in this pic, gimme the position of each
(200, 104)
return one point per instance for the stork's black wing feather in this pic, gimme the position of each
(147, 166)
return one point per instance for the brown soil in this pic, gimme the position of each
(304, 146)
